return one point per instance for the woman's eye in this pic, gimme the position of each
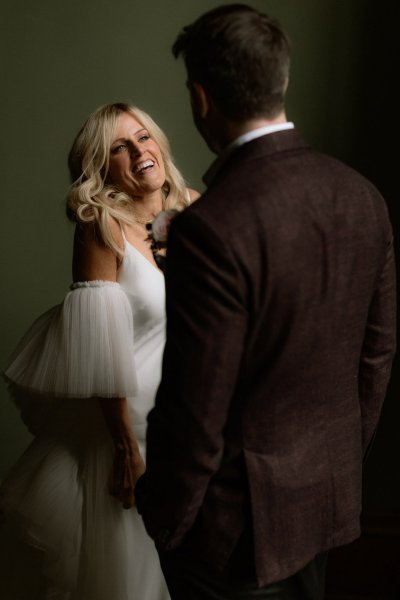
(119, 148)
(144, 137)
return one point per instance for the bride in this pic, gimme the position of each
(84, 378)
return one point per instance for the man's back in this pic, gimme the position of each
(312, 237)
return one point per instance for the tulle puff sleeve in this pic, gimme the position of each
(81, 348)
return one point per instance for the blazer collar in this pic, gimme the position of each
(266, 145)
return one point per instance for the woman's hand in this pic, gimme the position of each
(127, 468)
(128, 464)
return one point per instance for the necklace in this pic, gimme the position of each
(141, 220)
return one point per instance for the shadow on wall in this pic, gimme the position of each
(376, 159)
(370, 567)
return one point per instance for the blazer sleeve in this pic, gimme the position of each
(206, 326)
(378, 347)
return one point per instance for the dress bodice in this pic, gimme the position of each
(143, 283)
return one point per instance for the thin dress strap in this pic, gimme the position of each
(122, 231)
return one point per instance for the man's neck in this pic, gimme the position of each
(231, 130)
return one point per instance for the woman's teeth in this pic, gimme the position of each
(144, 165)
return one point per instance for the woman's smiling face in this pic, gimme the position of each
(136, 165)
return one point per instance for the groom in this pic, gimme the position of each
(280, 337)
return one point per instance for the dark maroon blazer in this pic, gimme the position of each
(280, 338)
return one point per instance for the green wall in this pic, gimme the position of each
(60, 59)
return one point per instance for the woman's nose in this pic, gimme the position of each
(135, 150)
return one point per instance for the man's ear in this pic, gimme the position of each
(286, 85)
(201, 98)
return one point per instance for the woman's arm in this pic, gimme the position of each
(92, 259)
(95, 261)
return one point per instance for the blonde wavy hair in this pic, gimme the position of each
(93, 199)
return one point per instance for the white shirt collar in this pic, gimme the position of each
(255, 133)
(239, 141)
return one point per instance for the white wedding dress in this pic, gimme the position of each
(63, 536)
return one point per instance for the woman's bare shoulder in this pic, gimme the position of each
(193, 194)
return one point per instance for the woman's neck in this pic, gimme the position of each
(145, 208)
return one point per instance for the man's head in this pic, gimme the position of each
(240, 58)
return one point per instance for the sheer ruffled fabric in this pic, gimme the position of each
(81, 348)
(66, 536)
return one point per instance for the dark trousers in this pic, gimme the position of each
(190, 579)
